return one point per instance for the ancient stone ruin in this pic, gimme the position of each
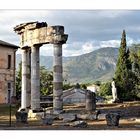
(32, 36)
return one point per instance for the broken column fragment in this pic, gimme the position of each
(90, 101)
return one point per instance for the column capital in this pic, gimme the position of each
(58, 39)
(25, 48)
(36, 45)
(55, 35)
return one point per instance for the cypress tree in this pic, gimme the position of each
(135, 58)
(121, 73)
(128, 60)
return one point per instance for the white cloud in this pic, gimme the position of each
(10, 18)
(88, 30)
(79, 48)
(46, 50)
(87, 47)
(110, 43)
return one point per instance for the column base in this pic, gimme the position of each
(23, 109)
(37, 110)
(56, 112)
(36, 114)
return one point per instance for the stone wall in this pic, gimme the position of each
(6, 75)
(73, 96)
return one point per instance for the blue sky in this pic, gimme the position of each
(87, 29)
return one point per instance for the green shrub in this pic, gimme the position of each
(105, 89)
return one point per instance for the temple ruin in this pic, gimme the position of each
(32, 36)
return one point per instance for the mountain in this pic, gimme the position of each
(46, 61)
(98, 65)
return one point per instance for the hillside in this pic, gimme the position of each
(97, 65)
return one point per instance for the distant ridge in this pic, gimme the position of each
(97, 65)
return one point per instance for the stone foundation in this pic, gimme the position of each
(35, 115)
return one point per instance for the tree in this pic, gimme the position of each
(46, 81)
(135, 58)
(105, 89)
(123, 73)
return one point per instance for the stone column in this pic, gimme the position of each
(57, 79)
(26, 92)
(90, 101)
(28, 79)
(35, 79)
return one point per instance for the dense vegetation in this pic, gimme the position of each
(127, 71)
(135, 59)
(46, 81)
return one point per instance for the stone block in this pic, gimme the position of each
(112, 119)
(49, 111)
(87, 116)
(67, 117)
(47, 121)
(36, 115)
(90, 101)
(57, 112)
(80, 124)
(21, 117)
(53, 116)
(82, 116)
(92, 117)
(101, 117)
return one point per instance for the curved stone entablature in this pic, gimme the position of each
(35, 33)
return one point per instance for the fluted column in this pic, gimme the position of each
(35, 78)
(25, 93)
(57, 79)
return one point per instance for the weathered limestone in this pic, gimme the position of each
(80, 124)
(112, 119)
(87, 116)
(25, 96)
(21, 116)
(47, 121)
(35, 115)
(33, 35)
(101, 116)
(58, 38)
(90, 101)
(67, 117)
(28, 97)
(58, 80)
(35, 78)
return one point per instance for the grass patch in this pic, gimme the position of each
(5, 112)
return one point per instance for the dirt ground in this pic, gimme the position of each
(129, 112)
